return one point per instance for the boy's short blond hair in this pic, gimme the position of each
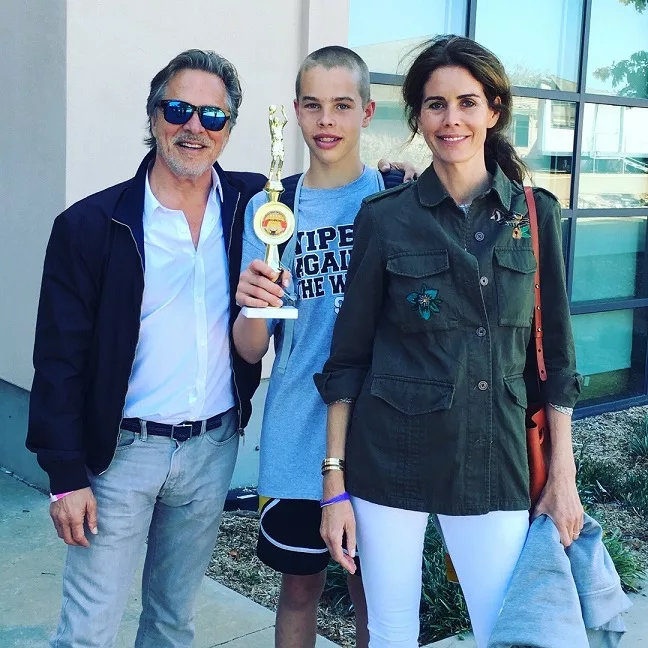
(337, 56)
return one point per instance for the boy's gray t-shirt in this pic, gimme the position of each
(293, 434)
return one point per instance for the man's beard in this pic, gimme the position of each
(178, 166)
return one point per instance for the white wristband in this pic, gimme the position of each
(60, 496)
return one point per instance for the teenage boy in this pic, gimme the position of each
(332, 105)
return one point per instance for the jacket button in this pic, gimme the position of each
(482, 385)
(479, 236)
(483, 281)
(481, 331)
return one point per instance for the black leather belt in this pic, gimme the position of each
(180, 432)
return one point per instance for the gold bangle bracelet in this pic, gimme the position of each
(333, 462)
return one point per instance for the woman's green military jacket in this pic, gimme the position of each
(431, 342)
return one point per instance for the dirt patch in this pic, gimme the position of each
(606, 438)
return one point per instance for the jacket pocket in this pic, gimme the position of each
(516, 388)
(514, 270)
(420, 291)
(411, 396)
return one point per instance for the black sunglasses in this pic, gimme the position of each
(179, 112)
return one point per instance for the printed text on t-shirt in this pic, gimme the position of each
(321, 261)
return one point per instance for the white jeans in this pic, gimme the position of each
(484, 550)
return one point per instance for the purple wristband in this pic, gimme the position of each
(342, 497)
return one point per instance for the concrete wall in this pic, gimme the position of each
(246, 472)
(14, 406)
(32, 166)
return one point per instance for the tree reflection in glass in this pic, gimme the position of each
(628, 75)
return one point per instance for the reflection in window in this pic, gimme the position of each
(609, 259)
(538, 46)
(610, 353)
(565, 224)
(520, 130)
(617, 60)
(384, 34)
(563, 114)
(545, 147)
(614, 157)
(388, 135)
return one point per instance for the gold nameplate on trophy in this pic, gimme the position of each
(274, 222)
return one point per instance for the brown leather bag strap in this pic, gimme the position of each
(537, 306)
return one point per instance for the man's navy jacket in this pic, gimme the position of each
(89, 320)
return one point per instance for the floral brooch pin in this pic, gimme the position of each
(425, 301)
(519, 222)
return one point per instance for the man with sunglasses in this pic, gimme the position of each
(138, 397)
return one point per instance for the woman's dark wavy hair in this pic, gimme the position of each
(484, 66)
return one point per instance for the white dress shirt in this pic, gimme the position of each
(182, 369)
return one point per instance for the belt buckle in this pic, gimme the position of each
(182, 432)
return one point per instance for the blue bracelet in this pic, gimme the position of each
(342, 497)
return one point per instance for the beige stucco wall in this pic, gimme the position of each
(115, 47)
(32, 166)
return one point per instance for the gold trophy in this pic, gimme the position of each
(274, 222)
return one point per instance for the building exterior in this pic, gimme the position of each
(75, 76)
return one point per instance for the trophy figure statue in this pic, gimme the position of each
(274, 222)
(277, 146)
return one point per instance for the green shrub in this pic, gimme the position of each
(639, 440)
(601, 482)
(336, 593)
(443, 608)
(598, 481)
(624, 561)
(636, 490)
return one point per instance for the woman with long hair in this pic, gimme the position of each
(425, 379)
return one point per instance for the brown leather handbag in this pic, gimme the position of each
(537, 430)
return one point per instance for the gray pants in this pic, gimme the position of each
(173, 493)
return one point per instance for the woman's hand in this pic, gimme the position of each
(338, 520)
(561, 502)
(559, 499)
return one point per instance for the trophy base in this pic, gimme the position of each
(270, 312)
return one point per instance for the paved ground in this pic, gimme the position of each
(31, 559)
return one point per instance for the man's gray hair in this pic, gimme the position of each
(194, 59)
(334, 56)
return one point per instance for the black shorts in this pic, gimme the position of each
(289, 537)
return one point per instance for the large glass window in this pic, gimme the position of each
(611, 353)
(384, 33)
(538, 44)
(388, 135)
(542, 132)
(614, 157)
(617, 60)
(609, 260)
